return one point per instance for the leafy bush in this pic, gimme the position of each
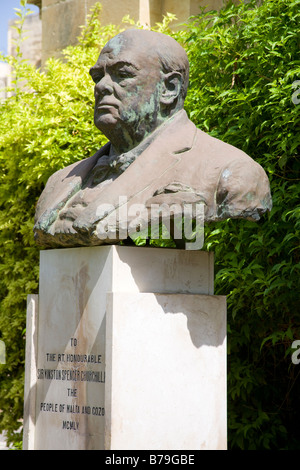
(243, 67)
(244, 63)
(46, 125)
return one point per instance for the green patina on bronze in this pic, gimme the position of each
(141, 80)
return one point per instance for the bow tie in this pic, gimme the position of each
(109, 168)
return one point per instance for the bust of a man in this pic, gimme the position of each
(155, 157)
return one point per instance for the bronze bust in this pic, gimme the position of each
(155, 155)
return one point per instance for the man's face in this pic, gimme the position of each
(127, 88)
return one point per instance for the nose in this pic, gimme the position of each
(104, 86)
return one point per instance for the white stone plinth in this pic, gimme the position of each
(166, 384)
(129, 352)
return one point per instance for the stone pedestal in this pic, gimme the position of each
(126, 349)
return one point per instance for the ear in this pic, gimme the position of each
(171, 88)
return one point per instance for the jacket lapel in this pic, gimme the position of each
(136, 184)
(60, 188)
(175, 137)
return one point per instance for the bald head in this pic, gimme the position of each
(170, 54)
(141, 79)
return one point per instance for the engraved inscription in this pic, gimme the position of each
(74, 370)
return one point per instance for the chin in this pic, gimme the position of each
(105, 121)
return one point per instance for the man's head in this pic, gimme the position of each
(141, 79)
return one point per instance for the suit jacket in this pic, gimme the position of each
(182, 165)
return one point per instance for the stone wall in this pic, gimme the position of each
(61, 19)
(31, 47)
(4, 77)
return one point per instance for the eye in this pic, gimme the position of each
(123, 73)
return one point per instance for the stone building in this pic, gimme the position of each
(31, 47)
(61, 19)
(4, 79)
(58, 24)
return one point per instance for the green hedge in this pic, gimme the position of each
(244, 64)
